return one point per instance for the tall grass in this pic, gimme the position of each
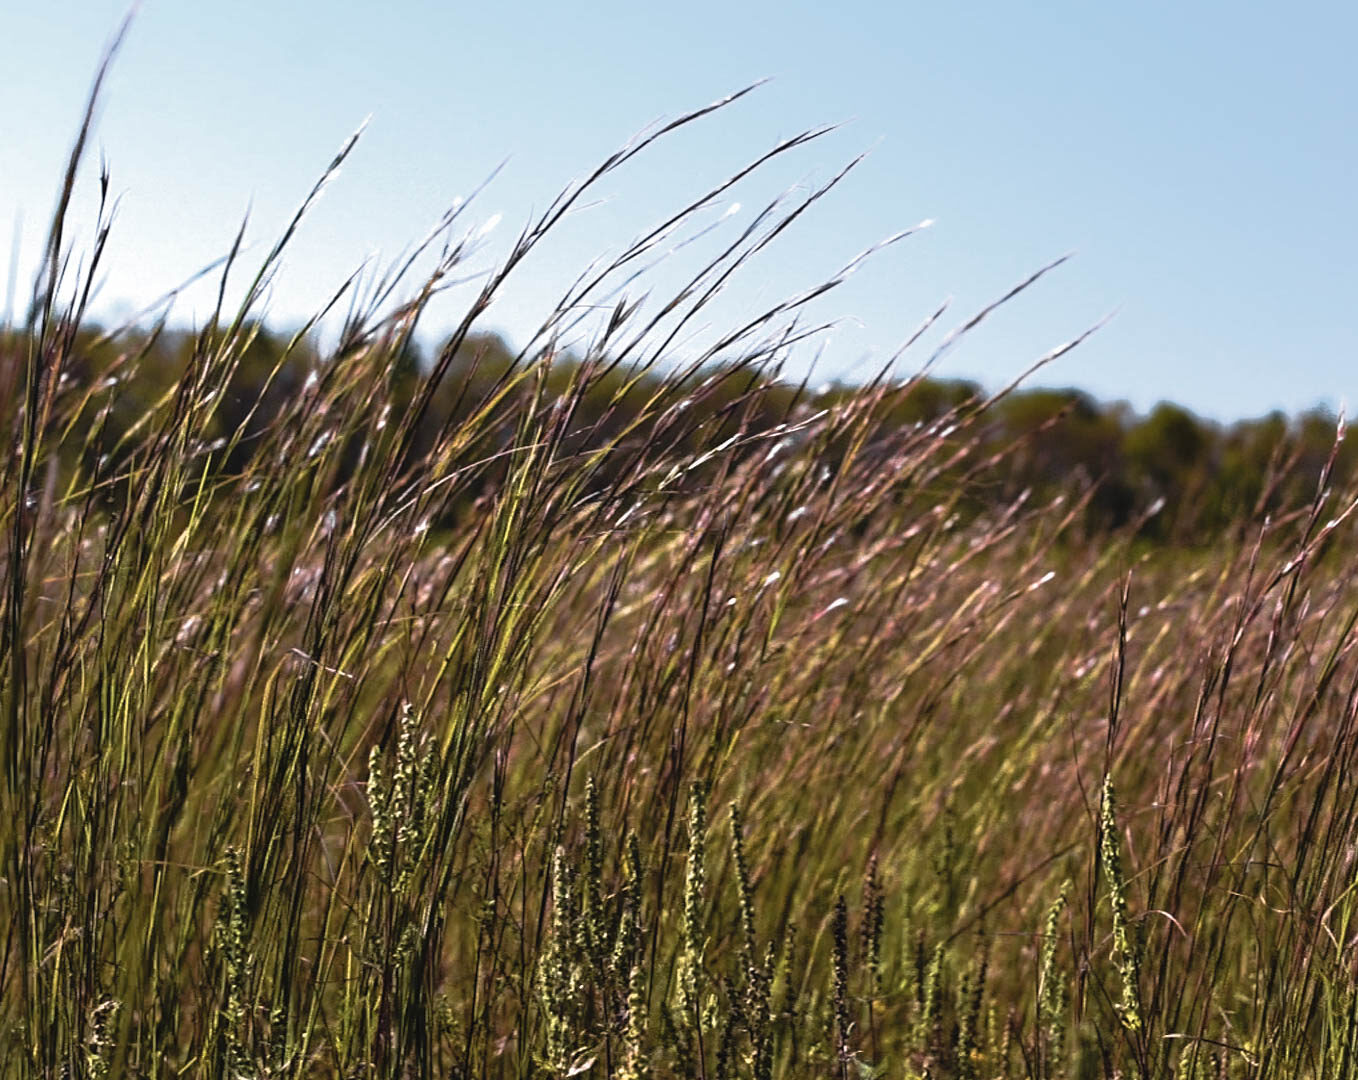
(769, 759)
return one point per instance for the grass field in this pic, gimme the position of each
(776, 758)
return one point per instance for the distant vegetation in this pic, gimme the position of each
(1180, 479)
(372, 714)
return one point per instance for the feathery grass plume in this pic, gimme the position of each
(98, 1042)
(964, 1045)
(280, 1043)
(695, 888)
(993, 1038)
(1005, 1045)
(1126, 937)
(843, 1023)
(756, 1003)
(401, 804)
(930, 1018)
(970, 998)
(233, 939)
(919, 969)
(628, 937)
(380, 792)
(403, 778)
(592, 932)
(636, 1064)
(413, 785)
(1051, 991)
(874, 919)
(905, 984)
(789, 1008)
(870, 943)
(762, 1018)
(557, 969)
(744, 889)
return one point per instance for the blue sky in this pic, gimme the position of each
(1199, 159)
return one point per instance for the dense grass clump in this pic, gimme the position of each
(714, 745)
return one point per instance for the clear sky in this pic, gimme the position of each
(1200, 159)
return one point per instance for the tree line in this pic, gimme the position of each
(1174, 476)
